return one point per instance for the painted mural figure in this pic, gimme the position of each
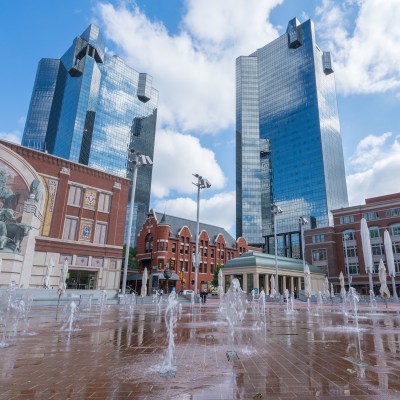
(11, 231)
(7, 197)
(34, 190)
(3, 235)
(6, 217)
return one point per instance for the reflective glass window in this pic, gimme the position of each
(375, 231)
(394, 229)
(104, 202)
(70, 228)
(354, 268)
(74, 195)
(101, 233)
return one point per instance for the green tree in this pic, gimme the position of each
(132, 262)
(216, 272)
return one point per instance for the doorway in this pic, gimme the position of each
(80, 279)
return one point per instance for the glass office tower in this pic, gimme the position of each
(90, 107)
(289, 147)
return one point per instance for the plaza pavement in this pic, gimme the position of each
(309, 354)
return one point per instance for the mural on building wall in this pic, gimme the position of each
(51, 186)
(13, 195)
(90, 199)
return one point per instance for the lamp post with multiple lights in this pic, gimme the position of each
(276, 210)
(149, 225)
(303, 222)
(136, 160)
(346, 237)
(202, 183)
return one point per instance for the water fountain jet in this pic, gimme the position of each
(235, 306)
(170, 318)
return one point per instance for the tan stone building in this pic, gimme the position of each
(254, 270)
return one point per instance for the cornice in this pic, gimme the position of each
(60, 162)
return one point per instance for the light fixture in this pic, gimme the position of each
(201, 183)
(275, 211)
(136, 160)
(303, 222)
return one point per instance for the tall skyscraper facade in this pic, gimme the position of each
(90, 107)
(289, 148)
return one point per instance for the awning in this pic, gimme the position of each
(135, 277)
(174, 277)
(138, 277)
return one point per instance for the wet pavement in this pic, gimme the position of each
(308, 354)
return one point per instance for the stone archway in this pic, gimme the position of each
(21, 206)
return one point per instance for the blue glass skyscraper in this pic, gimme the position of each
(90, 107)
(289, 148)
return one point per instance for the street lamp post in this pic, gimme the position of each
(345, 239)
(136, 160)
(303, 222)
(167, 276)
(149, 224)
(202, 183)
(275, 211)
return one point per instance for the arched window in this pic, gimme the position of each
(394, 229)
(148, 243)
(349, 234)
(375, 231)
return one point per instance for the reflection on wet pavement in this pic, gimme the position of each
(306, 355)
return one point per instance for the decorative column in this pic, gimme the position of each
(30, 226)
(60, 206)
(256, 283)
(244, 282)
(113, 223)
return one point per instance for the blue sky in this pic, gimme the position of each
(189, 47)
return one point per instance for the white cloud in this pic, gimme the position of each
(22, 120)
(13, 136)
(369, 150)
(366, 55)
(218, 210)
(193, 70)
(377, 170)
(242, 27)
(176, 157)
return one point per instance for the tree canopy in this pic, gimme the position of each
(132, 262)
(215, 278)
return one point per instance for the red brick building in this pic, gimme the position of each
(74, 213)
(165, 239)
(326, 247)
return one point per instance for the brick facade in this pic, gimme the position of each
(157, 245)
(381, 213)
(99, 216)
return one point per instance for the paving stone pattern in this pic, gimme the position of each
(309, 354)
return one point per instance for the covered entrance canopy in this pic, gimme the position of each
(135, 277)
(254, 270)
(154, 279)
(159, 275)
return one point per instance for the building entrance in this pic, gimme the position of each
(80, 279)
